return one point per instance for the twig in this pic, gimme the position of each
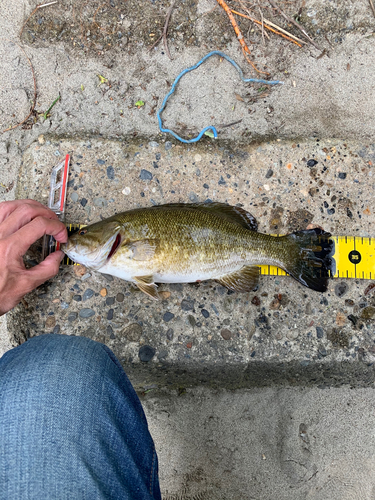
(245, 48)
(34, 102)
(372, 6)
(290, 20)
(261, 17)
(230, 124)
(289, 37)
(33, 12)
(264, 33)
(325, 36)
(165, 31)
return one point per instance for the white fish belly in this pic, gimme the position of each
(129, 274)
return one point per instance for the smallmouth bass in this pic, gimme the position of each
(184, 243)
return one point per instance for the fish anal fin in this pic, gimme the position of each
(236, 215)
(143, 249)
(244, 280)
(147, 285)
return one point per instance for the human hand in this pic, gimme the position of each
(22, 222)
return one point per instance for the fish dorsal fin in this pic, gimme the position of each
(147, 285)
(236, 215)
(244, 280)
(143, 249)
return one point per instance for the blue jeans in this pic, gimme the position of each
(71, 425)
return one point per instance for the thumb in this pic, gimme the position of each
(46, 269)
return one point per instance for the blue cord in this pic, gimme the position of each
(214, 131)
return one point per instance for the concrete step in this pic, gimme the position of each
(283, 333)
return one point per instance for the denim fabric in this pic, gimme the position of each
(71, 425)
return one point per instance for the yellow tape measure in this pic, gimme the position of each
(71, 229)
(354, 257)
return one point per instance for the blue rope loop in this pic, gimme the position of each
(173, 88)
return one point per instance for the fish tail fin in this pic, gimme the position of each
(309, 258)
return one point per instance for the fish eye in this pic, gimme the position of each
(82, 232)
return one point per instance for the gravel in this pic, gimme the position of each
(145, 175)
(72, 316)
(146, 353)
(168, 316)
(110, 172)
(86, 313)
(88, 294)
(319, 332)
(187, 305)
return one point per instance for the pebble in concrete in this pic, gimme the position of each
(168, 316)
(146, 353)
(133, 332)
(110, 301)
(187, 305)
(50, 322)
(341, 289)
(145, 175)
(311, 163)
(226, 334)
(86, 313)
(319, 332)
(110, 172)
(88, 294)
(100, 202)
(72, 316)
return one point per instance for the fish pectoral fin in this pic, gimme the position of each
(143, 249)
(244, 280)
(147, 285)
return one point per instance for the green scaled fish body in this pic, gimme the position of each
(182, 243)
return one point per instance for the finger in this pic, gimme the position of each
(31, 279)
(35, 229)
(44, 271)
(22, 215)
(7, 207)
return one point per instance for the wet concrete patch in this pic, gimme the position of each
(202, 333)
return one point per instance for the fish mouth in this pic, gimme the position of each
(93, 258)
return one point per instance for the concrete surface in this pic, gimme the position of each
(290, 444)
(301, 442)
(283, 332)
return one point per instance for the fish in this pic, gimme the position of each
(185, 243)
